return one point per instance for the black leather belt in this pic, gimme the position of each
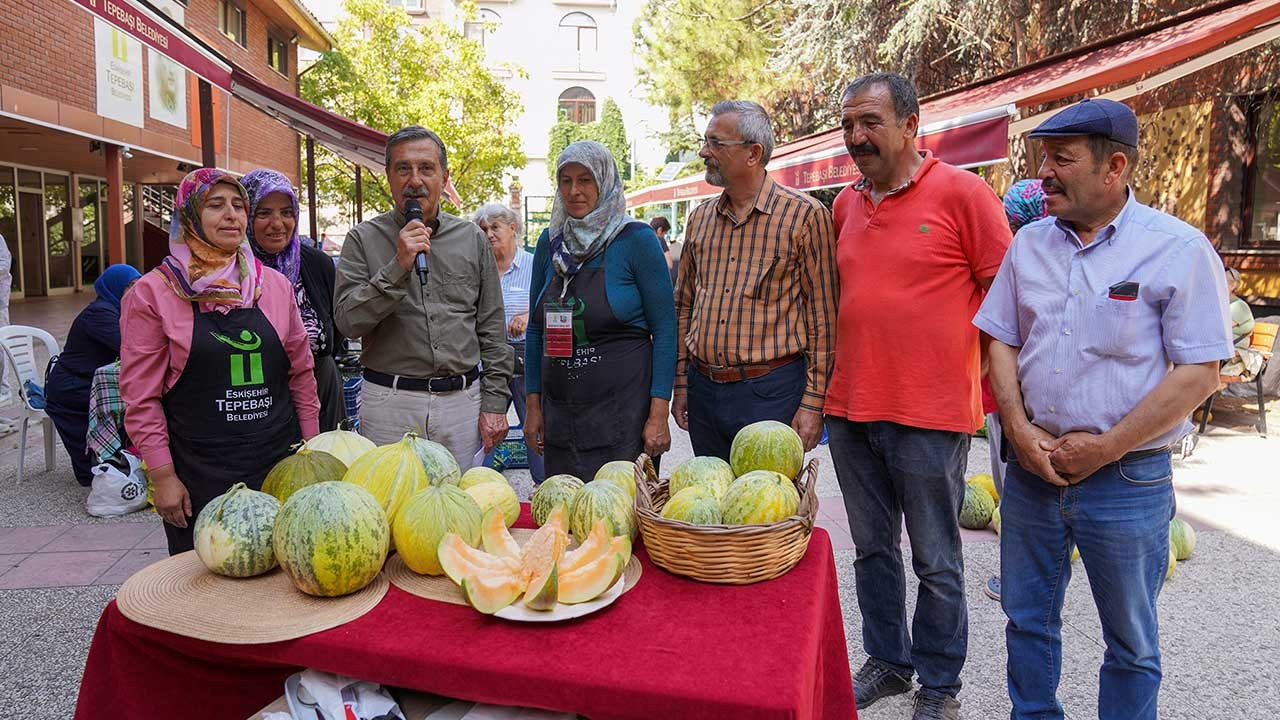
(451, 383)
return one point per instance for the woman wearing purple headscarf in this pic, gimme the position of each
(273, 235)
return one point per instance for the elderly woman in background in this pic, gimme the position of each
(216, 369)
(273, 235)
(1241, 315)
(515, 268)
(600, 353)
(93, 341)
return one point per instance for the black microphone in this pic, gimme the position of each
(413, 211)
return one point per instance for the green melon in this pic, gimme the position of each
(702, 470)
(1173, 564)
(976, 511)
(481, 474)
(430, 515)
(603, 500)
(331, 538)
(759, 497)
(697, 505)
(995, 519)
(233, 532)
(767, 445)
(437, 461)
(555, 490)
(1182, 538)
(342, 444)
(622, 472)
(303, 468)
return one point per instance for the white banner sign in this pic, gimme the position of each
(167, 81)
(119, 61)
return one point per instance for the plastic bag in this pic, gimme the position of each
(116, 493)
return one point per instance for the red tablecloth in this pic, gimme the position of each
(669, 648)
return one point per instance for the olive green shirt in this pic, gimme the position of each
(453, 324)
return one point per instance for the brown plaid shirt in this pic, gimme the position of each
(761, 288)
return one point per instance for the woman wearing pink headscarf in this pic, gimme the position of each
(216, 368)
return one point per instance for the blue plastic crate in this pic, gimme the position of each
(351, 400)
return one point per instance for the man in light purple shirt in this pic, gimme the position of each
(1107, 320)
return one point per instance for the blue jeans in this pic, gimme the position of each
(887, 472)
(1119, 518)
(717, 411)
(536, 470)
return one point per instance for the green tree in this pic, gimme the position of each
(387, 72)
(609, 130)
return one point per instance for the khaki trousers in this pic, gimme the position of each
(451, 419)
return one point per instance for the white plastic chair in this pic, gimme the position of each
(19, 343)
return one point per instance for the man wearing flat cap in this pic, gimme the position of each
(1108, 319)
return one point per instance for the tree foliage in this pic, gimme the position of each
(388, 72)
(609, 131)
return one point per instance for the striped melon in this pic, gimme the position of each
(342, 444)
(303, 468)
(603, 500)
(554, 491)
(392, 473)
(426, 518)
(767, 445)
(702, 470)
(697, 505)
(481, 474)
(437, 461)
(233, 532)
(760, 496)
(622, 472)
(331, 538)
(977, 508)
(1182, 538)
(499, 495)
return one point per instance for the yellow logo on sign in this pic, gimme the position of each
(119, 45)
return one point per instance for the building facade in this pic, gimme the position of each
(100, 115)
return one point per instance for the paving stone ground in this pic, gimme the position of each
(1220, 631)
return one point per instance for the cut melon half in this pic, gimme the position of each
(459, 559)
(491, 591)
(591, 580)
(495, 537)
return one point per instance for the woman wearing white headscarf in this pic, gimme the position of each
(600, 348)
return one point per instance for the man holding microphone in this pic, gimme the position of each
(433, 334)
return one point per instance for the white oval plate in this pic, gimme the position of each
(518, 612)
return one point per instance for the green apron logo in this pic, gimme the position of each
(251, 360)
(580, 338)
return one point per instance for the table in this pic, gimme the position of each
(669, 648)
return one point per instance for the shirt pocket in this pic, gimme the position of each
(760, 277)
(1113, 328)
(459, 291)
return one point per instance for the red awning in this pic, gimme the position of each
(355, 142)
(969, 127)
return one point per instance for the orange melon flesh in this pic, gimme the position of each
(542, 592)
(596, 544)
(459, 559)
(491, 592)
(591, 580)
(495, 538)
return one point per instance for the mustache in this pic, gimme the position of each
(1050, 185)
(865, 148)
(415, 193)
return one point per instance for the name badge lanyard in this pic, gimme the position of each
(559, 324)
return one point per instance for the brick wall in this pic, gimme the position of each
(49, 51)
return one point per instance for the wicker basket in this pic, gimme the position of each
(730, 554)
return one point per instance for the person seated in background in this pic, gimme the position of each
(93, 341)
(1241, 315)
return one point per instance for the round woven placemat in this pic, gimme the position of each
(440, 587)
(181, 596)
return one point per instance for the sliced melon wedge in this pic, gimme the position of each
(492, 591)
(591, 580)
(595, 545)
(621, 545)
(542, 591)
(459, 559)
(495, 537)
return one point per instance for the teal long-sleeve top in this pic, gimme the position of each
(638, 285)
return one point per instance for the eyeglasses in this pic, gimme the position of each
(716, 143)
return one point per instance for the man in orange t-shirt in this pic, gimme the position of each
(918, 243)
